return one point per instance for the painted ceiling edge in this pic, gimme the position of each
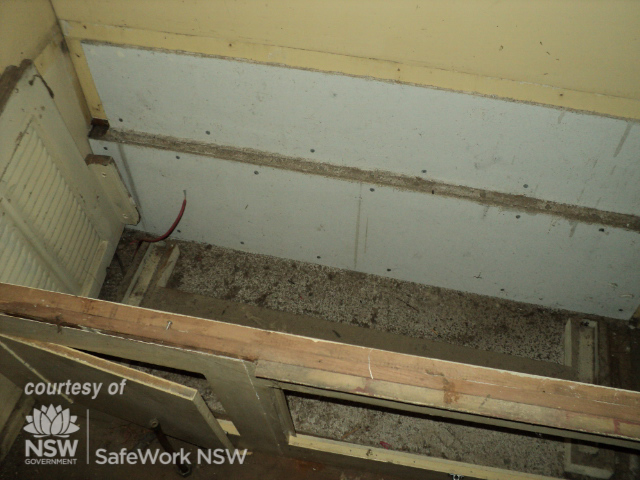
(375, 69)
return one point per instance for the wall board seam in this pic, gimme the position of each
(378, 177)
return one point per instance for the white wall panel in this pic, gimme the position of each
(465, 246)
(412, 236)
(275, 212)
(547, 153)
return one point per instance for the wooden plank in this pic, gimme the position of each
(283, 412)
(143, 275)
(167, 264)
(249, 404)
(229, 427)
(406, 398)
(433, 464)
(55, 65)
(169, 356)
(447, 414)
(106, 173)
(430, 382)
(141, 398)
(597, 464)
(94, 341)
(85, 79)
(175, 301)
(581, 350)
(133, 271)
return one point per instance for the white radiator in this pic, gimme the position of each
(58, 228)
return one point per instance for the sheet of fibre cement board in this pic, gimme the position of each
(429, 239)
(461, 139)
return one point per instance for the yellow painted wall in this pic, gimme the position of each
(25, 29)
(583, 54)
(29, 30)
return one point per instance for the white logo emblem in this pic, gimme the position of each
(51, 421)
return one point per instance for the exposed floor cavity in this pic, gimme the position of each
(399, 307)
(389, 305)
(193, 380)
(421, 434)
(371, 301)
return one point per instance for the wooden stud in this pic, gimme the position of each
(86, 80)
(107, 175)
(251, 406)
(581, 349)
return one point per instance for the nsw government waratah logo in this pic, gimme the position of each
(51, 421)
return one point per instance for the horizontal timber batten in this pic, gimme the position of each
(417, 380)
(296, 385)
(183, 303)
(377, 177)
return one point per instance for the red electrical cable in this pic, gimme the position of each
(170, 231)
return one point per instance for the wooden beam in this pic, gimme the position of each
(323, 391)
(251, 405)
(581, 351)
(143, 276)
(424, 381)
(85, 79)
(108, 176)
(175, 301)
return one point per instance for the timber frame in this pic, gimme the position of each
(250, 369)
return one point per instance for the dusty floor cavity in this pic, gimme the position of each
(368, 301)
(421, 434)
(389, 305)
